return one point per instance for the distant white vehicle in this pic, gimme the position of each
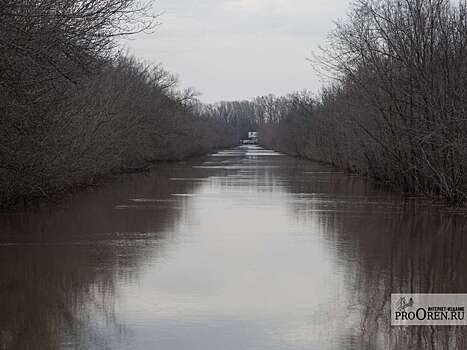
(252, 138)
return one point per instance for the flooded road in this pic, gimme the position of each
(243, 249)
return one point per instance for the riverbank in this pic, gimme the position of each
(380, 183)
(57, 194)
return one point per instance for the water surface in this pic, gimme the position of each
(244, 249)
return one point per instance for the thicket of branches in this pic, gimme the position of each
(397, 108)
(239, 115)
(72, 108)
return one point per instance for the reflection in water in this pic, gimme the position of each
(245, 249)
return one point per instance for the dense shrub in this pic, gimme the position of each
(396, 109)
(72, 108)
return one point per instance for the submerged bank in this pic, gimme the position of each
(56, 194)
(377, 182)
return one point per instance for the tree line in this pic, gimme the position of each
(395, 109)
(74, 108)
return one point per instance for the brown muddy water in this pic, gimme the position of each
(244, 249)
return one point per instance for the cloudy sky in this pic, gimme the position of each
(238, 49)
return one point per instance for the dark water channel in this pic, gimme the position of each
(245, 249)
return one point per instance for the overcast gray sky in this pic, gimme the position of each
(239, 49)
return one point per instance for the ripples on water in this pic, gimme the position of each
(244, 249)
